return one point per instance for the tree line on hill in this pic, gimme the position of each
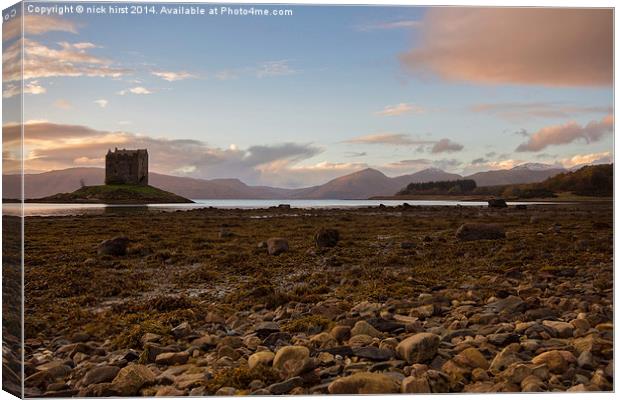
(591, 180)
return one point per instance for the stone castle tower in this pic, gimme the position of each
(127, 167)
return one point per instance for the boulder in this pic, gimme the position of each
(132, 378)
(364, 383)
(260, 358)
(414, 384)
(114, 247)
(560, 329)
(326, 237)
(291, 360)
(172, 358)
(554, 359)
(497, 203)
(480, 231)
(102, 374)
(418, 348)
(364, 328)
(276, 246)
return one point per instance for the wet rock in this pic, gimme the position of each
(277, 245)
(323, 340)
(100, 374)
(509, 305)
(132, 378)
(260, 358)
(326, 237)
(373, 353)
(172, 358)
(480, 231)
(560, 329)
(360, 340)
(532, 383)
(554, 359)
(291, 359)
(364, 328)
(285, 386)
(341, 333)
(414, 384)
(504, 358)
(226, 391)
(586, 360)
(182, 330)
(364, 383)
(418, 348)
(497, 203)
(473, 358)
(169, 391)
(113, 247)
(265, 329)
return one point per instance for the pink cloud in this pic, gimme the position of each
(541, 46)
(567, 133)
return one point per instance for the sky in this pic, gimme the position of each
(299, 99)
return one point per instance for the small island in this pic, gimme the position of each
(126, 182)
(114, 194)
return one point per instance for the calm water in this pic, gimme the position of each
(34, 209)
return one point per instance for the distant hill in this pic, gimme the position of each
(426, 175)
(592, 180)
(519, 174)
(358, 185)
(68, 180)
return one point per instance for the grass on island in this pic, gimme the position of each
(115, 194)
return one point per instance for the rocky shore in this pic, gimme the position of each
(285, 301)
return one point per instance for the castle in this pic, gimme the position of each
(127, 167)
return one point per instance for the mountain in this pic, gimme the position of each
(358, 185)
(536, 167)
(71, 179)
(518, 174)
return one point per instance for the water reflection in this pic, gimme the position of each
(38, 209)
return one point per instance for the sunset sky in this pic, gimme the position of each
(297, 100)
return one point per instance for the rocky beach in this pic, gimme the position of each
(295, 301)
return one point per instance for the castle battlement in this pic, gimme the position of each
(127, 167)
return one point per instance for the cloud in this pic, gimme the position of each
(135, 90)
(274, 68)
(295, 176)
(446, 146)
(398, 139)
(356, 154)
(36, 25)
(521, 132)
(67, 60)
(402, 24)
(592, 158)
(533, 46)
(418, 164)
(226, 75)
(171, 76)
(103, 103)
(479, 165)
(55, 146)
(400, 109)
(63, 104)
(14, 89)
(526, 111)
(593, 131)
